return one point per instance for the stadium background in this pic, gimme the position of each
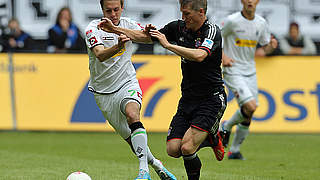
(48, 91)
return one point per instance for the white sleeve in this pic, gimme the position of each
(134, 25)
(92, 36)
(226, 27)
(265, 35)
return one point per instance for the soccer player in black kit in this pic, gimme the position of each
(203, 101)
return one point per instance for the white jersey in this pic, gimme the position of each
(110, 75)
(240, 37)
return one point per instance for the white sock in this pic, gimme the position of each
(241, 133)
(139, 143)
(155, 163)
(235, 119)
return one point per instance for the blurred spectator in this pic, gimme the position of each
(297, 44)
(65, 36)
(276, 52)
(15, 39)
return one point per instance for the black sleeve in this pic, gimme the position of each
(212, 39)
(169, 31)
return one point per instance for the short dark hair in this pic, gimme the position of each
(101, 2)
(292, 24)
(195, 4)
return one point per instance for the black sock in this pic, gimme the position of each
(192, 165)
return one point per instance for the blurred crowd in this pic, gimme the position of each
(65, 37)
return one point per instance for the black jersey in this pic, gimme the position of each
(199, 78)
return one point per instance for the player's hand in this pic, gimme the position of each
(122, 39)
(161, 37)
(227, 62)
(106, 25)
(148, 28)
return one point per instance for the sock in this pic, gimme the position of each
(139, 143)
(155, 163)
(239, 136)
(192, 165)
(235, 119)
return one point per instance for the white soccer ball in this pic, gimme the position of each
(78, 176)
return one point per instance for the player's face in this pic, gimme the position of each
(191, 17)
(250, 5)
(112, 10)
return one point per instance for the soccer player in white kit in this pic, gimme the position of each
(115, 86)
(241, 33)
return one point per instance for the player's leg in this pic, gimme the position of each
(138, 136)
(111, 109)
(156, 164)
(189, 145)
(238, 86)
(178, 127)
(207, 117)
(131, 108)
(247, 109)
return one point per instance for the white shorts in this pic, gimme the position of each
(244, 88)
(110, 105)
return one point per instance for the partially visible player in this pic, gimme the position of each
(115, 86)
(241, 32)
(203, 101)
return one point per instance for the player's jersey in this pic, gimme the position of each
(199, 78)
(240, 38)
(110, 75)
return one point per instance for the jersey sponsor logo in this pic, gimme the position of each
(107, 38)
(240, 31)
(208, 43)
(93, 41)
(120, 53)
(89, 33)
(246, 43)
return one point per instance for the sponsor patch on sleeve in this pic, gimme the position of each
(208, 43)
(89, 33)
(93, 41)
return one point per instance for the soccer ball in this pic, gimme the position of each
(78, 176)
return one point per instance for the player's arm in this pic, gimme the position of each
(104, 53)
(197, 55)
(140, 36)
(226, 61)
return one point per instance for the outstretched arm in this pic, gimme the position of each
(104, 53)
(140, 36)
(197, 55)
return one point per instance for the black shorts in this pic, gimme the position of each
(204, 114)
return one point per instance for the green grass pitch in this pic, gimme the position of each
(104, 156)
